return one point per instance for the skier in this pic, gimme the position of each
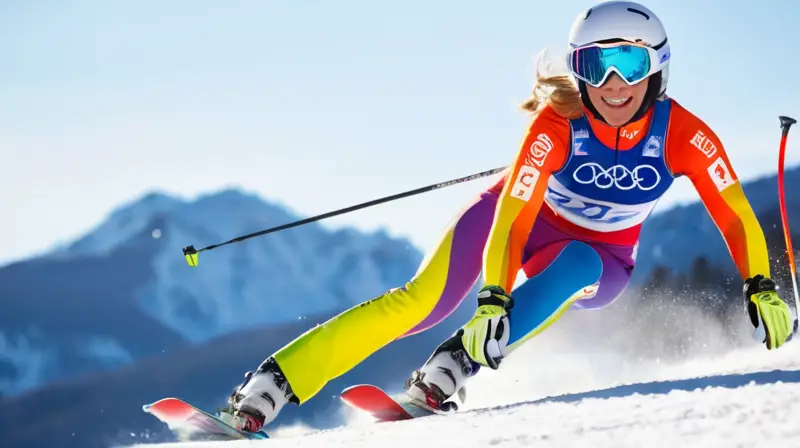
(602, 147)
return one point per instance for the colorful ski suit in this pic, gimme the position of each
(568, 213)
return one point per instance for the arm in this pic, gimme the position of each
(543, 151)
(694, 150)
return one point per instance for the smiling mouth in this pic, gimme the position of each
(617, 102)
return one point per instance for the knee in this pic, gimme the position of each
(602, 295)
(414, 299)
(611, 285)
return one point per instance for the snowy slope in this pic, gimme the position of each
(747, 402)
(750, 416)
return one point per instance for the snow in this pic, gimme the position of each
(746, 397)
(752, 415)
(122, 224)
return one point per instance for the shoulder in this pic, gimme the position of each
(543, 146)
(685, 126)
(547, 138)
(690, 141)
(547, 119)
(682, 116)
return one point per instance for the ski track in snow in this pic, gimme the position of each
(743, 399)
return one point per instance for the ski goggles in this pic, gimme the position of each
(594, 63)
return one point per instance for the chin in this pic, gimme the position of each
(618, 117)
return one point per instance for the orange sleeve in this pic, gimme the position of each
(542, 152)
(695, 151)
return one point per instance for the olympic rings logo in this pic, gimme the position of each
(643, 177)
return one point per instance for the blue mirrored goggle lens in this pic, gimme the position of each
(592, 63)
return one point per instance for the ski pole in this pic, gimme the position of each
(786, 123)
(191, 253)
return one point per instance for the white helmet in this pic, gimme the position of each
(630, 21)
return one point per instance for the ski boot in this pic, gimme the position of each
(259, 399)
(442, 376)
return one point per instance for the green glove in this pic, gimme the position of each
(768, 313)
(485, 336)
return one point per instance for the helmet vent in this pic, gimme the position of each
(636, 11)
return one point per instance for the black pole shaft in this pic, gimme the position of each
(191, 250)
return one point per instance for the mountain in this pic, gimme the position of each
(676, 237)
(123, 290)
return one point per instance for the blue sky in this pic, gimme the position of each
(321, 104)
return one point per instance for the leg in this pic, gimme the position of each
(562, 273)
(537, 303)
(333, 348)
(543, 299)
(618, 263)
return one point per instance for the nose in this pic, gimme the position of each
(615, 85)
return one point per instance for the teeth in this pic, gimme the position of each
(615, 101)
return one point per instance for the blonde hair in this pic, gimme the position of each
(558, 92)
(554, 87)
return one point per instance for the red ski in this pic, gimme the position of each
(190, 423)
(372, 399)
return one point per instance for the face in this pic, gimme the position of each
(617, 101)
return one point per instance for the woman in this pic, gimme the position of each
(590, 169)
